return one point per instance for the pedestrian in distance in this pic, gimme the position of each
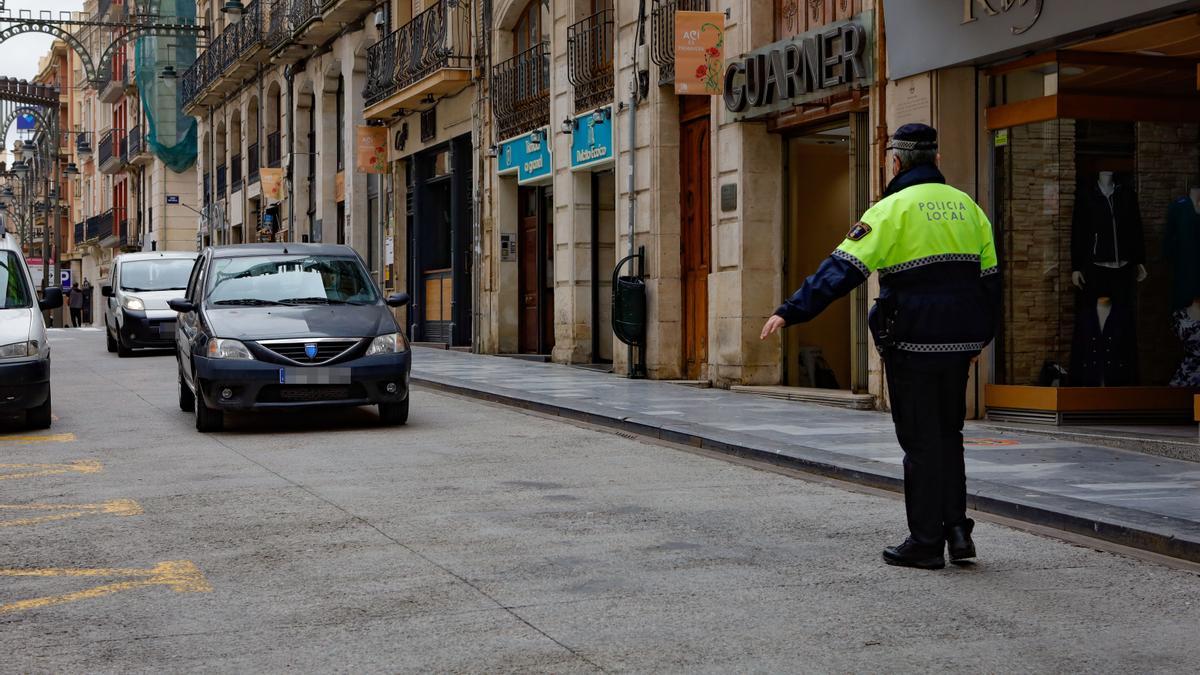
(939, 294)
(75, 302)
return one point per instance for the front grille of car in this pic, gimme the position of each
(295, 350)
(309, 393)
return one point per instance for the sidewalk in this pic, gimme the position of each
(1129, 498)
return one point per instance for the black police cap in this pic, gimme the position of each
(914, 137)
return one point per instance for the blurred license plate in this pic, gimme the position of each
(314, 376)
(166, 328)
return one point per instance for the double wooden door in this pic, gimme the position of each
(695, 214)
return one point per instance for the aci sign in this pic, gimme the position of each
(592, 140)
(528, 157)
(801, 68)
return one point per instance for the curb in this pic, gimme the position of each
(1111, 524)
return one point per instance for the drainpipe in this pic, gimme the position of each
(635, 96)
(291, 118)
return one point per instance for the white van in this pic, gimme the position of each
(24, 351)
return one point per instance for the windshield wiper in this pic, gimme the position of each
(248, 302)
(312, 301)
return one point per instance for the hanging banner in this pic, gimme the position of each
(699, 53)
(371, 144)
(271, 180)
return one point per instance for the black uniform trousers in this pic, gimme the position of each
(929, 403)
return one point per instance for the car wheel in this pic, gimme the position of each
(39, 417)
(108, 338)
(208, 419)
(123, 350)
(393, 414)
(187, 400)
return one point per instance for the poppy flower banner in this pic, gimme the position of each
(372, 149)
(699, 53)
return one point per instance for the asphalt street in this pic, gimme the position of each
(481, 539)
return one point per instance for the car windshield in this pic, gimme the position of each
(289, 280)
(14, 290)
(160, 274)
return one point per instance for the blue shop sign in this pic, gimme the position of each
(528, 157)
(592, 140)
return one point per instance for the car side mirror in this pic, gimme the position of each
(106, 290)
(398, 300)
(181, 305)
(52, 298)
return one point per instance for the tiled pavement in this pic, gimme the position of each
(1130, 498)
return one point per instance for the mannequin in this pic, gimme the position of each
(1181, 248)
(1107, 263)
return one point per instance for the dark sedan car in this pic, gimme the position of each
(288, 325)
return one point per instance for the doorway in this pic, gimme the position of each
(695, 220)
(535, 254)
(822, 201)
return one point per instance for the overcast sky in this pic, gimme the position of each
(19, 55)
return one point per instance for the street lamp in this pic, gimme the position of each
(168, 73)
(233, 9)
(20, 168)
(71, 169)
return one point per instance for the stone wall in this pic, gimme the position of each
(1036, 196)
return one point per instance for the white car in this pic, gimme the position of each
(24, 350)
(135, 299)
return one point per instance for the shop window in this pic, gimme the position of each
(1101, 259)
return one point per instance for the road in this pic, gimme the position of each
(480, 538)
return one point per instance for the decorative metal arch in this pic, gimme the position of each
(74, 28)
(39, 26)
(43, 124)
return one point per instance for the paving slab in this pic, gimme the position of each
(1130, 498)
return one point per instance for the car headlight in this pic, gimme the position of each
(392, 343)
(134, 303)
(223, 348)
(19, 350)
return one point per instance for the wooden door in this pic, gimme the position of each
(528, 254)
(695, 214)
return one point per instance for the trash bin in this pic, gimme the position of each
(629, 310)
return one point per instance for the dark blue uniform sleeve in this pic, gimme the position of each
(835, 278)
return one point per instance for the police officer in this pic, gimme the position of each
(939, 292)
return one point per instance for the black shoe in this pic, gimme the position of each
(912, 554)
(958, 539)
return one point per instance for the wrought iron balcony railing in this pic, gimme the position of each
(274, 150)
(590, 60)
(662, 34)
(279, 24)
(104, 225)
(110, 153)
(221, 181)
(521, 91)
(303, 12)
(207, 196)
(437, 38)
(235, 173)
(80, 232)
(252, 164)
(231, 45)
(134, 142)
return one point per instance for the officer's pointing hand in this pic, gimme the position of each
(772, 326)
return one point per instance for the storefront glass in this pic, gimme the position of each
(1101, 253)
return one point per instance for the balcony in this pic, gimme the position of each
(662, 34)
(108, 154)
(230, 58)
(138, 153)
(221, 185)
(207, 194)
(428, 56)
(274, 150)
(113, 89)
(80, 232)
(252, 164)
(100, 228)
(590, 60)
(521, 91)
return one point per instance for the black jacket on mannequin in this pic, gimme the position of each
(1106, 229)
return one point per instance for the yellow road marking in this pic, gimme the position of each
(181, 576)
(116, 507)
(36, 470)
(46, 438)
